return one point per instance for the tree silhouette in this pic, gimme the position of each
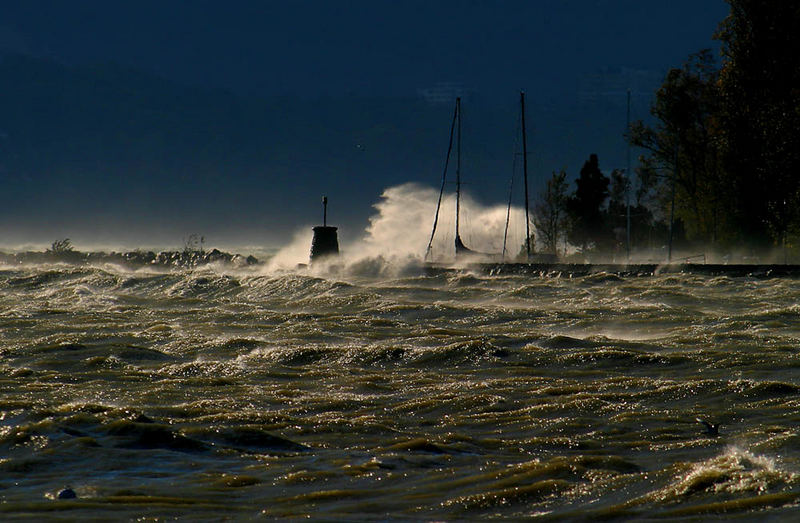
(686, 108)
(550, 212)
(585, 206)
(760, 116)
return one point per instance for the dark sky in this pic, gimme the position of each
(573, 57)
(368, 47)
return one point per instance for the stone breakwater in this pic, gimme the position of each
(132, 259)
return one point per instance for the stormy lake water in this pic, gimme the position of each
(371, 394)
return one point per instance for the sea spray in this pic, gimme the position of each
(405, 215)
(399, 231)
(295, 252)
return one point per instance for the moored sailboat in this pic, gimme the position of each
(462, 252)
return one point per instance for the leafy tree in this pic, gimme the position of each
(618, 189)
(61, 246)
(585, 206)
(683, 147)
(550, 212)
(760, 115)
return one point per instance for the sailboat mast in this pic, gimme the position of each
(525, 175)
(444, 181)
(628, 185)
(458, 166)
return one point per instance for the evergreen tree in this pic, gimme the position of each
(585, 206)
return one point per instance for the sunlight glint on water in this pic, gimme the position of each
(215, 393)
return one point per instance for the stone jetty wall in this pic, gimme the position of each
(132, 259)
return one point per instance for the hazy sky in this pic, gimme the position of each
(574, 58)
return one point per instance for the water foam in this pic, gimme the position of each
(398, 233)
(735, 471)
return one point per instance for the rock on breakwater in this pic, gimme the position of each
(132, 259)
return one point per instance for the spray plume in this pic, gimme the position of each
(398, 232)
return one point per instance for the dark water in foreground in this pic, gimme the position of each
(228, 393)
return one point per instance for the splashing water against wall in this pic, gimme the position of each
(400, 229)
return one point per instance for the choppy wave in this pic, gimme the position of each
(371, 390)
